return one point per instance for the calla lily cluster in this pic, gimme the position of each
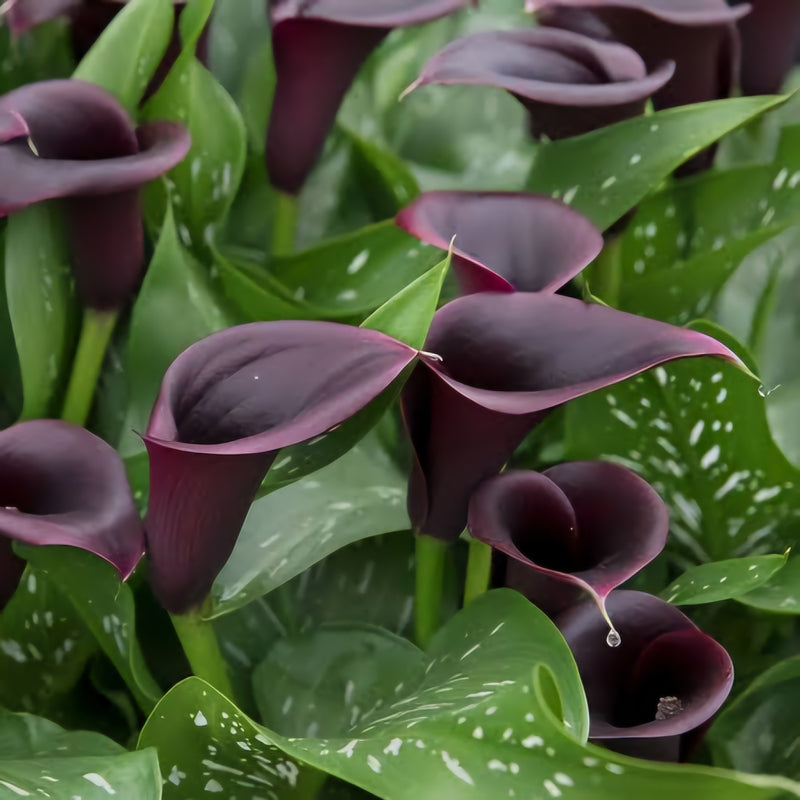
(70, 140)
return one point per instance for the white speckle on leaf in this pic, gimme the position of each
(711, 457)
(373, 763)
(455, 767)
(100, 782)
(358, 262)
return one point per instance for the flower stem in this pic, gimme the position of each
(479, 569)
(96, 331)
(284, 225)
(430, 559)
(200, 645)
(605, 274)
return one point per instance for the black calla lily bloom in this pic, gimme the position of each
(700, 36)
(569, 83)
(658, 687)
(770, 42)
(495, 365)
(576, 528)
(340, 34)
(227, 405)
(60, 484)
(72, 140)
(505, 241)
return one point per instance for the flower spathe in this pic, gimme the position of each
(569, 83)
(504, 241)
(700, 36)
(340, 34)
(72, 140)
(60, 484)
(503, 361)
(665, 679)
(227, 405)
(576, 528)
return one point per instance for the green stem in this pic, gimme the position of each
(605, 274)
(284, 225)
(431, 559)
(479, 569)
(95, 335)
(200, 644)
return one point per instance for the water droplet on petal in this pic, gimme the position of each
(613, 639)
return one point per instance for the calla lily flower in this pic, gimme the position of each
(700, 36)
(505, 241)
(664, 680)
(770, 42)
(340, 34)
(570, 83)
(69, 139)
(581, 527)
(21, 15)
(60, 484)
(227, 405)
(494, 366)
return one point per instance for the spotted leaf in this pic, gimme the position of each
(697, 432)
(722, 580)
(605, 173)
(480, 723)
(42, 759)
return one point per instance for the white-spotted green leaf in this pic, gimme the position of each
(607, 172)
(106, 607)
(476, 725)
(359, 495)
(781, 594)
(686, 241)
(44, 647)
(203, 185)
(722, 580)
(127, 53)
(759, 731)
(696, 430)
(40, 759)
(41, 305)
(354, 274)
(322, 682)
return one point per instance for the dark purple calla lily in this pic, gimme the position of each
(665, 679)
(21, 15)
(60, 484)
(700, 36)
(340, 34)
(227, 405)
(70, 139)
(770, 42)
(570, 83)
(581, 527)
(502, 361)
(505, 241)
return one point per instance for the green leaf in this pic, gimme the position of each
(11, 387)
(106, 606)
(722, 580)
(476, 725)
(696, 430)
(38, 758)
(128, 52)
(41, 305)
(686, 241)
(158, 333)
(607, 172)
(356, 273)
(44, 646)
(781, 595)
(320, 683)
(760, 730)
(360, 495)
(203, 185)
(408, 315)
